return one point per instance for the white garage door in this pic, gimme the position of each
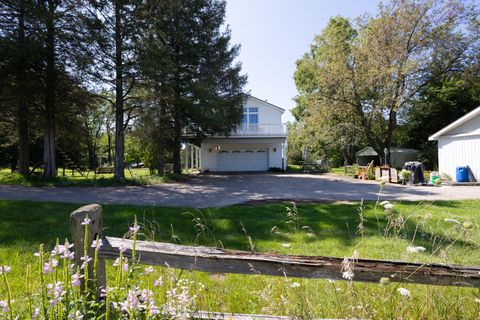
(242, 160)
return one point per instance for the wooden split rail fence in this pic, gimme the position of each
(217, 260)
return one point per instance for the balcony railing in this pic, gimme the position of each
(261, 130)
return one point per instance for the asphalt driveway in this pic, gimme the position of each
(224, 190)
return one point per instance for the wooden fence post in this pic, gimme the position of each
(94, 229)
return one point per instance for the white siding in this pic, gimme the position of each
(267, 114)
(211, 156)
(459, 151)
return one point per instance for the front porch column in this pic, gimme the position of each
(186, 156)
(191, 156)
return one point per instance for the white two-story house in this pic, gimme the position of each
(258, 144)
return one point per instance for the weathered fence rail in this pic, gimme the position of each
(217, 260)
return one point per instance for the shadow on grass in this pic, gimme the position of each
(41, 222)
(87, 181)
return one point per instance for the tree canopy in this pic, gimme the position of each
(360, 77)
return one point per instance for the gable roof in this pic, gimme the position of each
(472, 114)
(370, 152)
(265, 102)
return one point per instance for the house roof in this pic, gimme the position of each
(266, 102)
(472, 114)
(370, 152)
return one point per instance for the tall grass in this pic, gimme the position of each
(421, 232)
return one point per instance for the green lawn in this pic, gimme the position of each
(23, 225)
(133, 177)
(338, 170)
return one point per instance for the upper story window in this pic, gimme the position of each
(250, 119)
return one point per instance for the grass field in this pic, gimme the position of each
(333, 229)
(89, 179)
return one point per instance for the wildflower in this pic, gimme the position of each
(47, 268)
(54, 263)
(86, 221)
(418, 249)
(76, 279)
(4, 269)
(35, 313)
(348, 266)
(56, 293)
(384, 202)
(122, 247)
(104, 291)
(295, 285)
(158, 282)
(286, 245)
(75, 316)
(331, 281)
(148, 270)
(134, 228)
(452, 221)
(131, 302)
(384, 281)
(97, 244)
(3, 306)
(123, 264)
(86, 260)
(404, 292)
(389, 206)
(63, 251)
(477, 300)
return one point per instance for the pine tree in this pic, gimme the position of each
(190, 63)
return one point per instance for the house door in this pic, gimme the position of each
(242, 160)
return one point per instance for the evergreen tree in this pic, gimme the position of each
(189, 62)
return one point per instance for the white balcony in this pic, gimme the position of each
(261, 130)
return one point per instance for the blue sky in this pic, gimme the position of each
(275, 33)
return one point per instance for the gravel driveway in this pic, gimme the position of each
(224, 190)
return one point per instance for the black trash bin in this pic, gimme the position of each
(417, 169)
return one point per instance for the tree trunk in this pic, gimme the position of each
(161, 155)
(119, 99)
(161, 141)
(23, 139)
(177, 166)
(50, 168)
(109, 147)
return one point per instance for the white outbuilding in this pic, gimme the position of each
(459, 145)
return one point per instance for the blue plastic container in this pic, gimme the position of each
(462, 174)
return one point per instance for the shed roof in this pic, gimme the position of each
(472, 114)
(370, 152)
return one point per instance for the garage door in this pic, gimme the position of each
(242, 160)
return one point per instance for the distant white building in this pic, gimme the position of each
(258, 144)
(459, 144)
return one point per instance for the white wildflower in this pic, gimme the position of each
(417, 249)
(477, 300)
(384, 202)
(4, 269)
(86, 221)
(295, 285)
(389, 206)
(148, 270)
(286, 245)
(404, 292)
(3, 306)
(75, 316)
(348, 266)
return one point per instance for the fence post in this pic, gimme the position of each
(94, 229)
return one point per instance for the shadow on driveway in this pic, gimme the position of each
(224, 190)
